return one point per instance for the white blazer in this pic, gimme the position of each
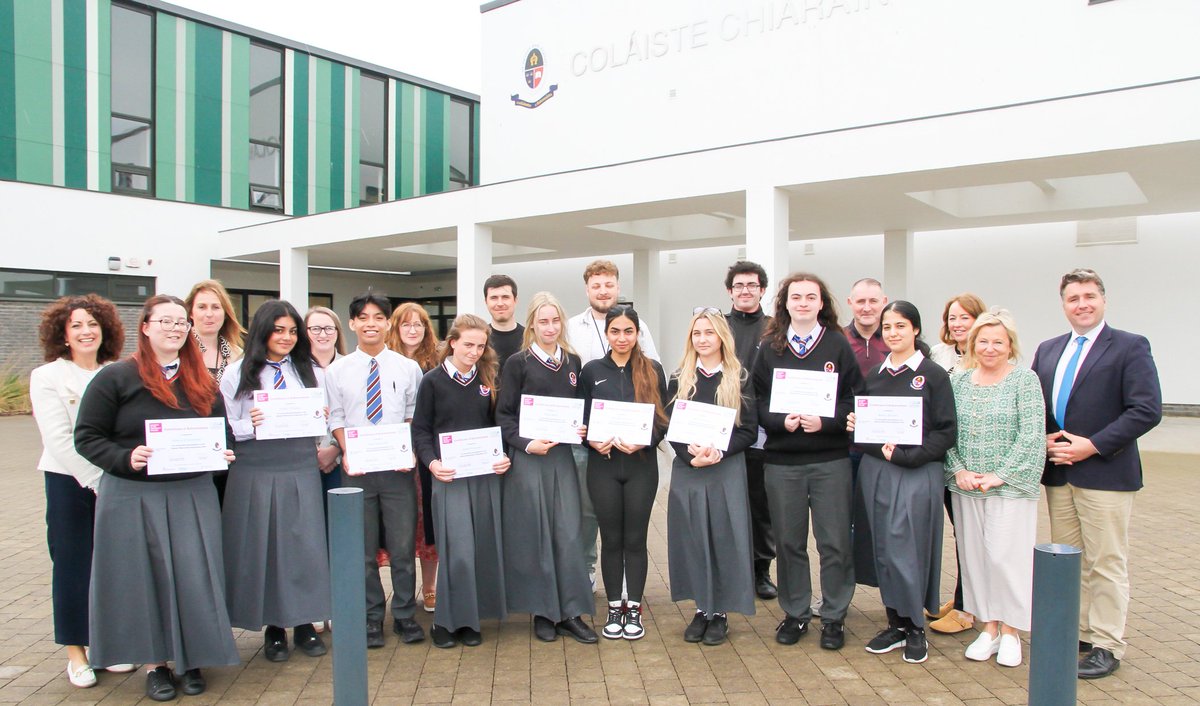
(55, 390)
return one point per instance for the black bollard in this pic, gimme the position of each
(348, 585)
(1053, 652)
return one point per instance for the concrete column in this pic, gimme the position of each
(897, 263)
(293, 277)
(474, 266)
(767, 234)
(643, 284)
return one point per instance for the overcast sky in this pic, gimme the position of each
(438, 40)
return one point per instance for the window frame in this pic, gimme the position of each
(150, 191)
(266, 189)
(383, 167)
(58, 275)
(470, 176)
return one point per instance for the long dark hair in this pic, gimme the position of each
(255, 357)
(194, 381)
(777, 329)
(908, 311)
(645, 377)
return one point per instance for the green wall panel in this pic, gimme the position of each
(298, 134)
(8, 93)
(75, 117)
(33, 73)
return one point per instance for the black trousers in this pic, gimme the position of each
(762, 537)
(70, 517)
(622, 492)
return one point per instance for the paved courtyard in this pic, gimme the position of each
(1162, 665)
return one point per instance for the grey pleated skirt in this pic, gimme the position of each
(903, 508)
(470, 580)
(276, 561)
(544, 571)
(708, 536)
(158, 582)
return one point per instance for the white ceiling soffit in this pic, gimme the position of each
(1062, 194)
(450, 249)
(691, 226)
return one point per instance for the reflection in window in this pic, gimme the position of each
(132, 124)
(461, 147)
(372, 144)
(266, 128)
(46, 286)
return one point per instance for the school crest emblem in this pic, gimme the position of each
(571, 377)
(829, 368)
(918, 382)
(535, 72)
(484, 390)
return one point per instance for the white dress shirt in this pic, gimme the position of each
(237, 409)
(1066, 358)
(813, 334)
(586, 334)
(346, 387)
(913, 361)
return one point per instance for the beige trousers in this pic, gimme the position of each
(1098, 522)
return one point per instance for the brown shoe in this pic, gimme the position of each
(942, 612)
(955, 621)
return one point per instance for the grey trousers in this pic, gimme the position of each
(825, 490)
(588, 528)
(390, 507)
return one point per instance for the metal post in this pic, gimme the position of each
(1053, 654)
(348, 586)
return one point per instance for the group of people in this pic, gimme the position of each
(153, 568)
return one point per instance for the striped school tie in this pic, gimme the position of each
(374, 394)
(278, 382)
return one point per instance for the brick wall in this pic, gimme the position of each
(20, 350)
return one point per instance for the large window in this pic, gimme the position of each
(462, 138)
(266, 128)
(372, 141)
(247, 301)
(132, 102)
(46, 285)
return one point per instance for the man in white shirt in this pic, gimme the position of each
(586, 335)
(371, 386)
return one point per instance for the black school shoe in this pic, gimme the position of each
(443, 638)
(192, 682)
(833, 636)
(790, 630)
(916, 648)
(409, 630)
(717, 630)
(887, 640)
(543, 629)
(470, 637)
(160, 685)
(694, 632)
(308, 641)
(576, 628)
(275, 646)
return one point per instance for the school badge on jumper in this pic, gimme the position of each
(535, 68)
(829, 367)
(484, 390)
(918, 382)
(571, 377)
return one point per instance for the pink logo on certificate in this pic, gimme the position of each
(262, 396)
(780, 374)
(352, 433)
(598, 405)
(862, 403)
(681, 405)
(527, 400)
(447, 439)
(155, 427)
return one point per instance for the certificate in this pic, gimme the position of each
(380, 447)
(703, 424)
(803, 392)
(631, 422)
(887, 420)
(471, 452)
(289, 414)
(186, 445)
(551, 418)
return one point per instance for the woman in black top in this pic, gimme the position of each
(459, 395)
(622, 478)
(544, 572)
(157, 572)
(708, 511)
(901, 487)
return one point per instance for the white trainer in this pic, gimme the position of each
(633, 622)
(1009, 653)
(82, 676)
(983, 648)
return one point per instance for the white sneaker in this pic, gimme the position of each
(120, 668)
(983, 648)
(82, 677)
(1009, 652)
(614, 627)
(633, 622)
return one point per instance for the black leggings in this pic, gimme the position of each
(622, 491)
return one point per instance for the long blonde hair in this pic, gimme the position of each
(540, 300)
(486, 367)
(729, 392)
(232, 329)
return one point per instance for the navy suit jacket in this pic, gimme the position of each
(1116, 398)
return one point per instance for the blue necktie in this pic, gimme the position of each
(170, 370)
(1068, 380)
(801, 343)
(278, 382)
(374, 394)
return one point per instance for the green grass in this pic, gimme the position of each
(14, 391)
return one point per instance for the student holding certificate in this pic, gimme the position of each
(901, 488)
(459, 395)
(276, 562)
(808, 454)
(158, 536)
(708, 513)
(622, 475)
(543, 574)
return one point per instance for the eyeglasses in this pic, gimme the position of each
(172, 324)
(746, 287)
(706, 310)
(318, 330)
(412, 325)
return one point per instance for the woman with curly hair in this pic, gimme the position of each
(79, 335)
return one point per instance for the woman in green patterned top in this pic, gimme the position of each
(994, 473)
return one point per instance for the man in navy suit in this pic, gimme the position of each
(1102, 393)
